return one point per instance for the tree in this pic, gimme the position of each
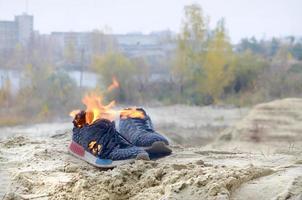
(117, 65)
(296, 51)
(248, 67)
(191, 47)
(274, 47)
(252, 44)
(46, 93)
(5, 92)
(219, 64)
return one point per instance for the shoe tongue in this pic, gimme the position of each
(107, 123)
(134, 113)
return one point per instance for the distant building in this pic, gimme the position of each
(75, 49)
(25, 27)
(80, 40)
(16, 32)
(8, 35)
(132, 44)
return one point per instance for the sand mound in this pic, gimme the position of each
(152, 180)
(277, 120)
(47, 171)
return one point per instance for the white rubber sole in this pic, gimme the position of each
(79, 152)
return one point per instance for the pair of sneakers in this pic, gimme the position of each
(101, 145)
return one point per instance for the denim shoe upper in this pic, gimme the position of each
(140, 131)
(102, 140)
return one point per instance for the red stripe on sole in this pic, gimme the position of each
(77, 149)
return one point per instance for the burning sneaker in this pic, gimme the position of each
(101, 145)
(136, 126)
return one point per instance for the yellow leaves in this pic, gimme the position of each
(191, 44)
(121, 67)
(44, 112)
(289, 56)
(194, 27)
(219, 64)
(113, 64)
(5, 92)
(204, 64)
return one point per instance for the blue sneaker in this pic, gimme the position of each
(101, 145)
(136, 126)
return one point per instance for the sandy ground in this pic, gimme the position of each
(218, 153)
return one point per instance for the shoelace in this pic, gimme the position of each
(112, 139)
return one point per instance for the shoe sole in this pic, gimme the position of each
(78, 151)
(158, 147)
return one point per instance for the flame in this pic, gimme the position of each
(132, 113)
(114, 84)
(95, 109)
(74, 113)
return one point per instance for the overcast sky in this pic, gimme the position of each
(244, 18)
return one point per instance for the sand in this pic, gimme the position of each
(229, 164)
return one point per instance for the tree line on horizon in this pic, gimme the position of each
(204, 68)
